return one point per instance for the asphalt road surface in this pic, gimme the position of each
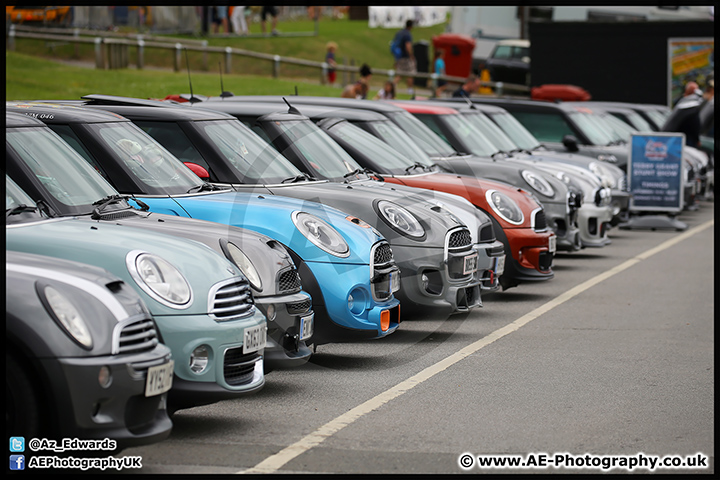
(610, 361)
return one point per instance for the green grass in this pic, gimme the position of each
(32, 71)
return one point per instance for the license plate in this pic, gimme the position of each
(306, 326)
(254, 339)
(470, 264)
(499, 265)
(159, 379)
(552, 244)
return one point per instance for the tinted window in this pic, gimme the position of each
(546, 127)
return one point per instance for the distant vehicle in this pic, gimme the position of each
(33, 15)
(509, 62)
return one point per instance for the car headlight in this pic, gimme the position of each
(607, 178)
(400, 219)
(321, 234)
(505, 207)
(607, 158)
(65, 312)
(159, 279)
(538, 183)
(245, 265)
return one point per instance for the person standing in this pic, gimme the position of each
(220, 17)
(272, 11)
(685, 116)
(405, 65)
(238, 20)
(330, 60)
(439, 68)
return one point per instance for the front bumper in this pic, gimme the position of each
(563, 221)
(594, 224)
(620, 205)
(284, 347)
(491, 265)
(121, 411)
(229, 372)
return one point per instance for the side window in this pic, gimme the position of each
(66, 133)
(432, 123)
(171, 136)
(546, 127)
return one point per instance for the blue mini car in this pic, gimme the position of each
(346, 265)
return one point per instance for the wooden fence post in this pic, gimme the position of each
(178, 50)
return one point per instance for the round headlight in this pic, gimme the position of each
(245, 265)
(505, 207)
(68, 316)
(538, 183)
(321, 234)
(159, 279)
(400, 219)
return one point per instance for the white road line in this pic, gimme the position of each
(274, 462)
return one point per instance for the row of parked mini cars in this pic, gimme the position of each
(166, 254)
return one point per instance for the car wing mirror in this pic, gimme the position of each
(570, 142)
(198, 170)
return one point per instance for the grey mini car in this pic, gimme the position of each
(82, 355)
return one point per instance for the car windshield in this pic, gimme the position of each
(63, 173)
(385, 158)
(596, 133)
(657, 116)
(638, 122)
(321, 153)
(15, 196)
(520, 135)
(396, 137)
(145, 158)
(621, 130)
(426, 139)
(492, 131)
(471, 137)
(255, 159)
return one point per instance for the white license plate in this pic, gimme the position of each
(159, 379)
(306, 326)
(254, 339)
(552, 244)
(470, 264)
(499, 265)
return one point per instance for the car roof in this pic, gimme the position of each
(461, 105)
(17, 119)
(63, 114)
(140, 109)
(376, 105)
(255, 109)
(514, 42)
(416, 107)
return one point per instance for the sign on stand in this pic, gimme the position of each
(656, 180)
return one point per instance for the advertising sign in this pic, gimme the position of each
(689, 59)
(655, 172)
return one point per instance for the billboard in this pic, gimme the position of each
(689, 59)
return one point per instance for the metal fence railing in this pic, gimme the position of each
(112, 52)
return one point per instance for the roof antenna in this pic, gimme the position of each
(291, 109)
(187, 63)
(224, 94)
(469, 102)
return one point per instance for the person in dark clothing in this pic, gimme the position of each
(471, 85)
(685, 116)
(406, 65)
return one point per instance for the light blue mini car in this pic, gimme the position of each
(201, 304)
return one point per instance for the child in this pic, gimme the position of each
(330, 60)
(387, 92)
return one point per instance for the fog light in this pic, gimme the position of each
(199, 359)
(385, 320)
(104, 377)
(425, 281)
(271, 312)
(351, 302)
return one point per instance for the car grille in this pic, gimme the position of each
(539, 221)
(239, 367)
(288, 281)
(231, 299)
(135, 336)
(383, 265)
(459, 245)
(299, 308)
(622, 183)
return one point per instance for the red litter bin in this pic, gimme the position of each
(458, 53)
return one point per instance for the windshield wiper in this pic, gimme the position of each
(521, 150)
(22, 208)
(104, 202)
(302, 177)
(205, 186)
(416, 165)
(501, 153)
(358, 171)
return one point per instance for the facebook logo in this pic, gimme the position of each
(17, 444)
(17, 462)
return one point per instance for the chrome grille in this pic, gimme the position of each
(622, 183)
(136, 336)
(231, 299)
(460, 239)
(383, 254)
(239, 367)
(289, 280)
(539, 220)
